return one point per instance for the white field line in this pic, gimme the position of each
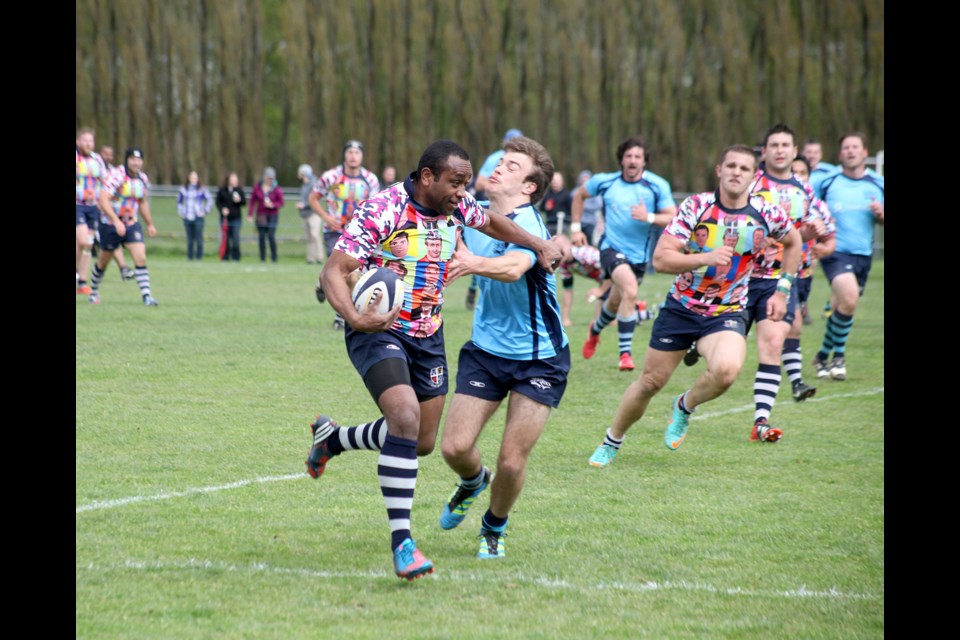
(471, 577)
(122, 502)
(750, 407)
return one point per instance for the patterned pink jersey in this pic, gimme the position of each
(586, 262)
(126, 193)
(796, 199)
(91, 172)
(343, 194)
(704, 225)
(392, 230)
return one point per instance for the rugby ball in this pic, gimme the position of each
(383, 280)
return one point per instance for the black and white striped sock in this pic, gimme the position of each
(765, 387)
(142, 275)
(369, 436)
(397, 472)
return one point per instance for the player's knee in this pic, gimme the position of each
(725, 372)
(511, 464)
(651, 382)
(426, 448)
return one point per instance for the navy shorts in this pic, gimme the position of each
(837, 263)
(88, 214)
(610, 259)
(802, 288)
(426, 358)
(110, 240)
(676, 327)
(760, 291)
(483, 375)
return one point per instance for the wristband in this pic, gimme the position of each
(575, 227)
(785, 284)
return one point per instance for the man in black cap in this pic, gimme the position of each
(123, 197)
(337, 194)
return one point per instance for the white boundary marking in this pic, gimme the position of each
(122, 502)
(473, 576)
(750, 407)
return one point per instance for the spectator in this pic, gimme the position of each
(265, 203)
(193, 203)
(311, 220)
(230, 198)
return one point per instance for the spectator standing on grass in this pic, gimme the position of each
(311, 220)
(265, 203)
(230, 200)
(193, 203)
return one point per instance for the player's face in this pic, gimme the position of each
(632, 163)
(510, 176)
(85, 143)
(853, 154)
(800, 170)
(779, 152)
(399, 246)
(107, 154)
(813, 152)
(445, 191)
(352, 158)
(735, 173)
(134, 164)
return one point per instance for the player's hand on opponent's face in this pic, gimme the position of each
(371, 321)
(719, 257)
(578, 238)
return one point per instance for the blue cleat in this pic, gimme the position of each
(677, 429)
(603, 456)
(492, 544)
(460, 502)
(320, 454)
(408, 562)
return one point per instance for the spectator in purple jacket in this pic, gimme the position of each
(265, 203)
(193, 203)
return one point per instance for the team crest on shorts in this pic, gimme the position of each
(730, 324)
(436, 376)
(540, 383)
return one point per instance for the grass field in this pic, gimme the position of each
(195, 518)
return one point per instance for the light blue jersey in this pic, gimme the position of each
(622, 233)
(849, 202)
(824, 170)
(517, 320)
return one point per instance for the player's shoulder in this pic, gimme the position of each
(655, 178)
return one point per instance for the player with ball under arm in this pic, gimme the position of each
(400, 355)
